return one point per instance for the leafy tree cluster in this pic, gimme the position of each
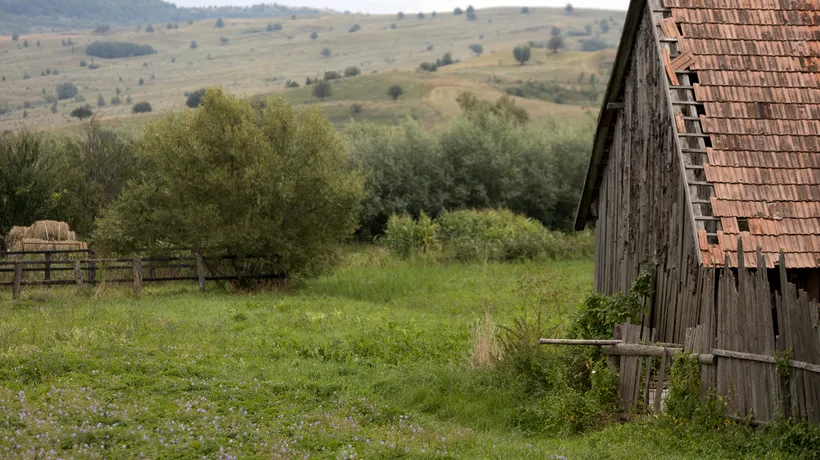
(488, 157)
(354, 28)
(281, 193)
(274, 27)
(142, 107)
(595, 44)
(66, 90)
(113, 50)
(445, 60)
(522, 54)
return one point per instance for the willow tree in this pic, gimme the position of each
(270, 187)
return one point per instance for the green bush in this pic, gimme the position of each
(65, 90)
(141, 107)
(489, 235)
(113, 50)
(280, 193)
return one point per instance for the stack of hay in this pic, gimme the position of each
(43, 235)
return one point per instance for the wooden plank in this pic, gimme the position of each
(682, 61)
(659, 387)
(137, 276)
(667, 65)
(18, 277)
(669, 28)
(578, 342)
(78, 275)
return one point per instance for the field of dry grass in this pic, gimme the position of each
(255, 61)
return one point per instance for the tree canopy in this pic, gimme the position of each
(522, 54)
(271, 187)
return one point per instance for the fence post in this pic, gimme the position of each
(137, 276)
(92, 272)
(200, 271)
(48, 266)
(18, 278)
(78, 274)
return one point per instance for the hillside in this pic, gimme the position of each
(252, 61)
(24, 16)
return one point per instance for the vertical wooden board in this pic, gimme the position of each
(78, 275)
(17, 280)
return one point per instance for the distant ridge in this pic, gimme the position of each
(26, 16)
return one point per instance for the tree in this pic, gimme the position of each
(141, 81)
(400, 15)
(477, 49)
(100, 100)
(219, 23)
(280, 195)
(471, 16)
(326, 52)
(29, 179)
(142, 107)
(194, 45)
(223, 40)
(395, 92)
(274, 26)
(354, 28)
(149, 29)
(112, 50)
(420, 15)
(587, 29)
(322, 89)
(65, 90)
(15, 36)
(195, 99)
(25, 43)
(352, 71)
(470, 9)
(604, 26)
(433, 14)
(38, 43)
(82, 112)
(556, 31)
(314, 35)
(522, 54)
(457, 11)
(556, 43)
(569, 9)
(525, 10)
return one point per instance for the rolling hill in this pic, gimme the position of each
(24, 16)
(252, 60)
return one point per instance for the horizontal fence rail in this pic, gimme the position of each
(19, 271)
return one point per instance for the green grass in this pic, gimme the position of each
(370, 362)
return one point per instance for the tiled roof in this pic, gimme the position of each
(758, 77)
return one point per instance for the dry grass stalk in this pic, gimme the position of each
(484, 347)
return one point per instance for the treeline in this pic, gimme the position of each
(20, 15)
(113, 50)
(489, 157)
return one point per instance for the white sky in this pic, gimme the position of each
(391, 6)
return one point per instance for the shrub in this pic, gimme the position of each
(354, 28)
(219, 23)
(471, 16)
(445, 60)
(595, 44)
(525, 10)
(224, 40)
(83, 63)
(569, 9)
(66, 90)
(141, 107)
(322, 89)
(15, 36)
(141, 81)
(314, 35)
(556, 31)
(604, 26)
(194, 45)
(400, 16)
(26, 76)
(555, 43)
(274, 27)
(406, 236)
(458, 11)
(356, 109)
(420, 15)
(326, 52)
(149, 29)
(93, 66)
(115, 100)
(428, 67)
(280, 194)
(395, 92)
(332, 75)
(477, 49)
(522, 54)
(102, 29)
(291, 84)
(113, 50)
(393, 26)
(100, 100)
(195, 99)
(352, 71)
(82, 112)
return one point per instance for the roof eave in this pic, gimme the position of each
(606, 115)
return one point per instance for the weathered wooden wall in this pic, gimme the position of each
(643, 214)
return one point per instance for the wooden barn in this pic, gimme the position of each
(706, 169)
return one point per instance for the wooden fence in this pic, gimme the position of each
(758, 346)
(81, 267)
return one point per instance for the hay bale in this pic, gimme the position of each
(34, 244)
(15, 235)
(50, 230)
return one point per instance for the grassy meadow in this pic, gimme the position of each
(374, 361)
(255, 61)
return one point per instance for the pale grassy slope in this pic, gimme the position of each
(255, 62)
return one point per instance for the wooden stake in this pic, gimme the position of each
(200, 271)
(18, 278)
(78, 275)
(48, 266)
(137, 276)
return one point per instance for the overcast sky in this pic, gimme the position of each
(391, 6)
